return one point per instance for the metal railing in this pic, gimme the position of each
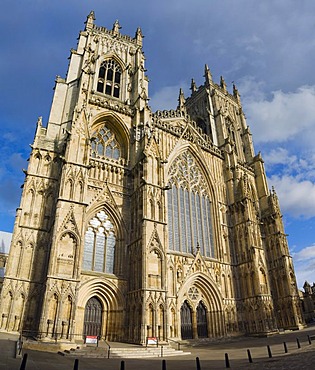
(175, 341)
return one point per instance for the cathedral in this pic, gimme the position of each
(136, 224)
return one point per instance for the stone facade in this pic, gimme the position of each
(134, 224)
(308, 302)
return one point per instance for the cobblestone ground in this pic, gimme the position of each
(302, 360)
(211, 356)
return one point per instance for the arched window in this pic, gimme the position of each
(104, 144)
(109, 78)
(189, 208)
(99, 244)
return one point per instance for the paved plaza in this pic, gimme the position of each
(210, 354)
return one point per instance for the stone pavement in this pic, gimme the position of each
(210, 354)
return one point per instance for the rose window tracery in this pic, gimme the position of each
(193, 293)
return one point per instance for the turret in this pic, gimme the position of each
(139, 36)
(193, 86)
(223, 84)
(90, 21)
(181, 100)
(208, 76)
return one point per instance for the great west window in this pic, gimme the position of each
(109, 78)
(99, 244)
(189, 208)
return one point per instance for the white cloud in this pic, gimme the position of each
(300, 165)
(304, 265)
(279, 155)
(283, 117)
(297, 198)
(307, 253)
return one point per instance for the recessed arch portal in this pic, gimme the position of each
(200, 295)
(112, 301)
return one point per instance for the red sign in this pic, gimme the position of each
(152, 340)
(91, 339)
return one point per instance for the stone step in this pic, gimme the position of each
(123, 352)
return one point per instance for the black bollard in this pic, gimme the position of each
(250, 360)
(198, 367)
(23, 364)
(163, 365)
(309, 339)
(285, 347)
(76, 364)
(227, 361)
(269, 351)
(298, 343)
(122, 365)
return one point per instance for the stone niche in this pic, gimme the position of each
(65, 257)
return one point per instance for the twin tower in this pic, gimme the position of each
(136, 224)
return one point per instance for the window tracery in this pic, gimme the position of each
(104, 144)
(189, 208)
(109, 78)
(99, 244)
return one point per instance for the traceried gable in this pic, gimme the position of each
(184, 172)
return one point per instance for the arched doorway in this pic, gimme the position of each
(93, 317)
(202, 327)
(186, 321)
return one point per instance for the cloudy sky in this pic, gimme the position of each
(267, 48)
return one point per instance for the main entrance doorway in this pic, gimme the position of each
(186, 321)
(93, 317)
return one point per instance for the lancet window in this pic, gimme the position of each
(99, 244)
(104, 144)
(109, 78)
(189, 208)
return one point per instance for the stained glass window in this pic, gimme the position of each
(189, 208)
(99, 244)
(104, 144)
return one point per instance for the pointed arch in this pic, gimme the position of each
(100, 244)
(37, 162)
(106, 291)
(191, 206)
(212, 301)
(112, 300)
(109, 78)
(200, 161)
(117, 126)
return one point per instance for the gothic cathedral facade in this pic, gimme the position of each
(135, 224)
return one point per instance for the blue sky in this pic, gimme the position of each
(267, 48)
